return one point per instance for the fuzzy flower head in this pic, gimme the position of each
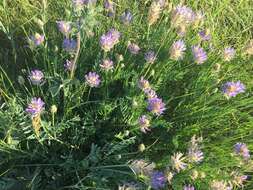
(177, 50)
(220, 185)
(36, 77)
(107, 64)
(110, 7)
(92, 79)
(154, 12)
(144, 124)
(238, 179)
(36, 107)
(142, 167)
(242, 150)
(199, 54)
(195, 156)
(68, 66)
(182, 16)
(127, 17)
(158, 180)
(248, 50)
(109, 40)
(64, 27)
(231, 89)
(205, 35)
(150, 93)
(177, 162)
(133, 48)
(229, 53)
(80, 3)
(37, 39)
(156, 106)
(69, 45)
(143, 84)
(189, 187)
(150, 57)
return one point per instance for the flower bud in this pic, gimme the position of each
(141, 147)
(53, 109)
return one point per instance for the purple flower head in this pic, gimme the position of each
(156, 106)
(133, 48)
(205, 35)
(109, 7)
(64, 27)
(158, 180)
(189, 187)
(150, 57)
(182, 16)
(177, 50)
(107, 64)
(144, 124)
(199, 54)
(127, 17)
(108, 40)
(69, 45)
(143, 84)
(37, 39)
(92, 79)
(195, 156)
(150, 93)
(36, 77)
(81, 3)
(177, 162)
(36, 107)
(231, 89)
(242, 150)
(68, 66)
(229, 53)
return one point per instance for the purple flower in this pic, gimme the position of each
(37, 39)
(158, 180)
(68, 65)
(150, 57)
(144, 124)
(107, 64)
(64, 27)
(182, 16)
(109, 7)
(231, 89)
(143, 84)
(205, 35)
(156, 106)
(177, 50)
(199, 54)
(229, 53)
(189, 187)
(195, 156)
(150, 93)
(126, 17)
(80, 3)
(36, 77)
(35, 107)
(108, 40)
(69, 45)
(92, 79)
(133, 48)
(177, 162)
(242, 150)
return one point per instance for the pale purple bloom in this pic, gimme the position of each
(64, 27)
(177, 50)
(37, 39)
(177, 162)
(143, 84)
(69, 45)
(220, 185)
(108, 40)
(182, 16)
(189, 187)
(144, 124)
(80, 3)
(68, 65)
(36, 107)
(231, 89)
(133, 48)
(195, 156)
(156, 106)
(92, 79)
(229, 53)
(107, 64)
(238, 179)
(150, 57)
(36, 77)
(205, 35)
(126, 17)
(150, 93)
(242, 150)
(158, 180)
(199, 54)
(109, 7)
